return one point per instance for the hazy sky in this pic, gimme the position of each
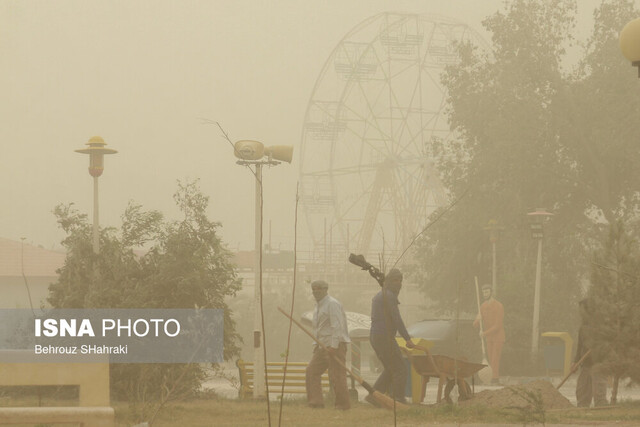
(141, 74)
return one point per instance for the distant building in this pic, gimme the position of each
(277, 267)
(39, 266)
(272, 260)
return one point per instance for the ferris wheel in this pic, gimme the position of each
(367, 172)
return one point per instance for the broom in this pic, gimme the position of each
(574, 368)
(485, 374)
(384, 401)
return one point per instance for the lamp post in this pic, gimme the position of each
(536, 221)
(493, 228)
(630, 42)
(254, 153)
(96, 152)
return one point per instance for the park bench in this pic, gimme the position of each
(91, 378)
(293, 383)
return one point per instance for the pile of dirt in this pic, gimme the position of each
(517, 396)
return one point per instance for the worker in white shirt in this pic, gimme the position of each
(330, 328)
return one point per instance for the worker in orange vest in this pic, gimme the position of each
(492, 313)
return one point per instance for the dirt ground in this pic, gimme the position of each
(295, 413)
(212, 411)
(520, 396)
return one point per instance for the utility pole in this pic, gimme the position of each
(536, 224)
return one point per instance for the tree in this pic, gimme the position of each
(594, 113)
(150, 263)
(530, 132)
(614, 297)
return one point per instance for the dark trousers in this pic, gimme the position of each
(591, 386)
(337, 377)
(393, 378)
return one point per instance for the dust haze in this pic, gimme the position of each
(149, 77)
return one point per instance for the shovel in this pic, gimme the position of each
(485, 374)
(384, 400)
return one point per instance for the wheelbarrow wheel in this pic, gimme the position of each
(464, 390)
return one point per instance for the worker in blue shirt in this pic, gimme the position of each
(385, 323)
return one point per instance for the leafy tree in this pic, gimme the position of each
(612, 327)
(149, 263)
(594, 113)
(531, 133)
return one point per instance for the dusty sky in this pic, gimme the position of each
(141, 74)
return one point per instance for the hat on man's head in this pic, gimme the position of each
(319, 284)
(394, 273)
(487, 286)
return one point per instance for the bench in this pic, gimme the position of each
(293, 383)
(91, 378)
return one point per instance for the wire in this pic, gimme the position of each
(24, 277)
(226, 136)
(394, 377)
(293, 299)
(604, 267)
(455, 202)
(264, 335)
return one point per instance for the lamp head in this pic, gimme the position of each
(96, 152)
(630, 40)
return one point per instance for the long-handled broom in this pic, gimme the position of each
(485, 374)
(574, 368)
(384, 401)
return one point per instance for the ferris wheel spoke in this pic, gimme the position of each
(361, 197)
(387, 80)
(442, 105)
(374, 124)
(399, 210)
(429, 127)
(343, 171)
(432, 124)
(407, 205)
(420, 63)
(372, 113)
(393, 95)
(418, 88)
(404, 126)
(414, 138)
(393, 98)
(373, 117)
(368, 142)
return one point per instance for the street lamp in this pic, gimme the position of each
(493, 228)
(630, 42)
(96, 152)
(256, 154)
(536, 221)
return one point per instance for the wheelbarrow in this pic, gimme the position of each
(448, 370)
